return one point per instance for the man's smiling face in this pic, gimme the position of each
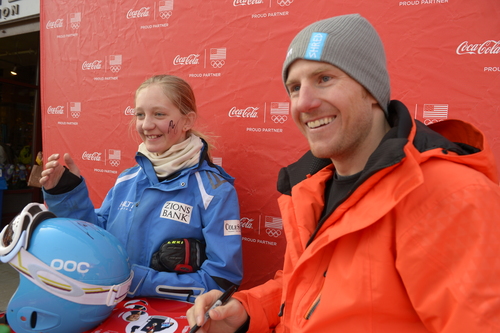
(332, 110)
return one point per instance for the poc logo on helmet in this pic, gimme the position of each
(70, 266)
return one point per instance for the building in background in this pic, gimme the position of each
(20, 120)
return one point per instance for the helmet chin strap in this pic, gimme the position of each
(65, 287)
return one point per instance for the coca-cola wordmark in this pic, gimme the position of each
(488, 47)
(143, 12)
(96, 64)
(246, 222)
(247, 2)
(249, 112)
(55, 109)
(191, 59)
(95, 156)
(129, 111)
(54, 24)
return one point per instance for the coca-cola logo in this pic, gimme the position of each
(91, 156)
(246, 222)
(96, 64)
(129, 111)
(55, 109)
(249, 112)
(191, 59)
(247, 2)
(54, 24)
(488, 47)
(143, 12)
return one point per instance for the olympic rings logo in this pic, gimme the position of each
(284, 2)
(114, 163)
(273, 232)
(279, 119)
(166, 14)
(217, 63)
(75, 25)
(432, 121)
(75, 114)
(115, 69)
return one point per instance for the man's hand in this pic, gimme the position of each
(225, 318)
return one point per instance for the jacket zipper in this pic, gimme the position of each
(315, 304)
(313, 307)
(282, 309)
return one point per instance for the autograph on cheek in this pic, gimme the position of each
(172, 127)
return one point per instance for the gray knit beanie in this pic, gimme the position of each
(350, 43)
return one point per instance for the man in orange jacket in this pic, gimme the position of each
(391, 226)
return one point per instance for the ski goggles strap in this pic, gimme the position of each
(18, 232)
(66, 287)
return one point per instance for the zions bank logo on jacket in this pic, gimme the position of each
(176, 211)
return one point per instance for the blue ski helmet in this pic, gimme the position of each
(72, 273)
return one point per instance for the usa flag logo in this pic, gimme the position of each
(218, 57)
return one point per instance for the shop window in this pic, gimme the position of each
(20, 126)
(17, 106)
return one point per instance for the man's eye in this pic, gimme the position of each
(139, 115)
(325, 78)
(294, 88)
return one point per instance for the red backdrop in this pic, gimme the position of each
(443, 58)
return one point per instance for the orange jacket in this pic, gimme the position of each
(414, 248)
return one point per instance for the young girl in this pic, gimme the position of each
(175, 203)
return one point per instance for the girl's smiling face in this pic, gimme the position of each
(159, 122)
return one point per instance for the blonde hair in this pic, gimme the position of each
(180, 94)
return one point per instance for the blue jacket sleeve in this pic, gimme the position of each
(76, 204)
